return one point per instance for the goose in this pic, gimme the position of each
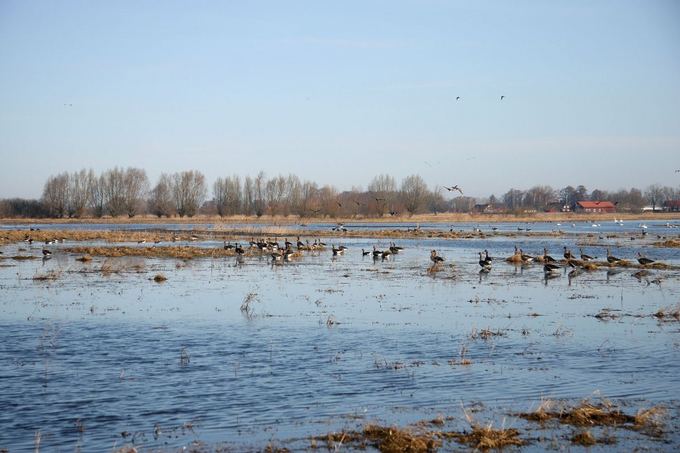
(436, 259)
(487, 258)
(611, 259)
(547, 258)
(300, 244)
(277, 255)
(525, 258)
(395, 248)
(386, 254)
(46, 252)
(287, 243)
(644, 260)
(551, 268)
(377, 253)
(585, 257)
(337, 251)
(193, 237)
(228, 245)
(288, 254)
(567, 254)
(516, 257)
(364, 252)
(239, 250)
(483, 262)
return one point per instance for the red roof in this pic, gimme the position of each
(596, 204)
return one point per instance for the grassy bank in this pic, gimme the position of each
(420, 218)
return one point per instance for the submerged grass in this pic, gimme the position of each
(586, 415)
(179, 252)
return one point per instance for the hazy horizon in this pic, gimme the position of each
(338, 93)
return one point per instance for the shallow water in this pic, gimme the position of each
(326, 344)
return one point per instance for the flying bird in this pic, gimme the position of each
(502, 97)
(452, 188)
(457, 98)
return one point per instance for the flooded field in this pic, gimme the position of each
(247, 353)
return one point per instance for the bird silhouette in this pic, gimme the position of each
(502, 97)
(452, 188)
(457, 98)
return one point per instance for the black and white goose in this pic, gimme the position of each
(611, 259)
(46, 253)
(585, 257)
(484, 263)
(547, 258)
(551, 268)
(436, 259)
(364, 252)
(567, 254)
(644, 260)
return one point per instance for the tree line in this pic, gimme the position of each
(127, 192)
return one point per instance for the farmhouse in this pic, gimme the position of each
(595, 206)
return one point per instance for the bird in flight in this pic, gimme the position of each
(452, 188)
(502, 97)
(457, 98)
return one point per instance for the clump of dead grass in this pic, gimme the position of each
(487, 437)
(84, 258)
(179, 252)
(159, 278)
(588, 414)
(671, 313)
(48, 276)
(386, 439)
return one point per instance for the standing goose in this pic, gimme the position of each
(644, 260)
(567, 254)
(377, 253)
(239, 250)
(547, 258)
(611, 259)
(525, 258)
(484, 262)
(487, 258)
(46, 253)
(364, 252)
(436, 259)
(585, 257)
(551, 268)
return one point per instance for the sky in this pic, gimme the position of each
(338, 92)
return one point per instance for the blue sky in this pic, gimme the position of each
(339, 92)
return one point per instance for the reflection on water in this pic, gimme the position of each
(94, 359)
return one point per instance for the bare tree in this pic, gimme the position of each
(114, 191)
(55, 195)
(413, 193)
(382, 188)
(136, 188)
(97, 194)
(220, 196)
(655, 195)
(78, 193)
(189, 192)
(160, 201)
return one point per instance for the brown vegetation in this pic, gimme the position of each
(587, 414)
(178, 252)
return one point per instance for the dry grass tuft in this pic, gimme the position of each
(649, 421)
(668, 313)
(394, 440)
(51, 275)
(488, 438)
(84, 259)
(179, 252)
(160, 278)
(584, 438)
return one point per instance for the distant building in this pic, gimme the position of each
(557, 206)
(595, 206)
(489, 208)
(671, 205)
